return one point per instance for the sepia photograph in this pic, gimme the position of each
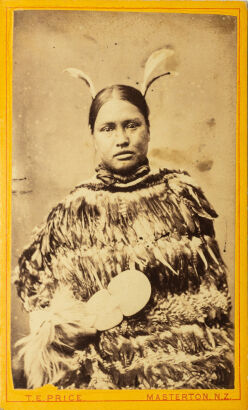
(123, 200)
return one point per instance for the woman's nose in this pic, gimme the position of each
(122, 137)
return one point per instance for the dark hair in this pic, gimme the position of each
(122, 92)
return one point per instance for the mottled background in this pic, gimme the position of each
(193, 116)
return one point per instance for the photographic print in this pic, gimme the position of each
(125, 170)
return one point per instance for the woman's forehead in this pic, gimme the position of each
(117, 110)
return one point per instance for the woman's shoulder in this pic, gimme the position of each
(176, 176)
(64, 208)
(184, 187)
(176, 180)
(79, 194)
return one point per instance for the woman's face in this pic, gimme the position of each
(121, 135)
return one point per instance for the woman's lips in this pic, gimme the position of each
(124, 155)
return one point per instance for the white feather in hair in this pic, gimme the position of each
(76, 73)
(51, 331)
(156, 58)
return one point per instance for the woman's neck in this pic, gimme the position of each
(111, 177)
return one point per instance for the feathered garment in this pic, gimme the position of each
(162, 225)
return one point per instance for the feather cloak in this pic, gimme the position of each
(161, 225)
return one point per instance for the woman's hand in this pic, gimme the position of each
(65, 321)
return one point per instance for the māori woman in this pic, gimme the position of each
(124, 282)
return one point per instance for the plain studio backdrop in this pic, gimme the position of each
(193, 116)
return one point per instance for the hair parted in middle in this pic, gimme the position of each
(120, 92)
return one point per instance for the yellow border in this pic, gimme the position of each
(131, 399)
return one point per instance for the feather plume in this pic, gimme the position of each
(76, 73)
(156, 58)
(52, 330)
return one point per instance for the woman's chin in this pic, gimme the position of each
(125, 167)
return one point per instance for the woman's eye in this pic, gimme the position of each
(107, 128)
(132, 124)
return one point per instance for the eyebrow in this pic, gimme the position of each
(131, 119)
(123, 122)
(107, 123)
